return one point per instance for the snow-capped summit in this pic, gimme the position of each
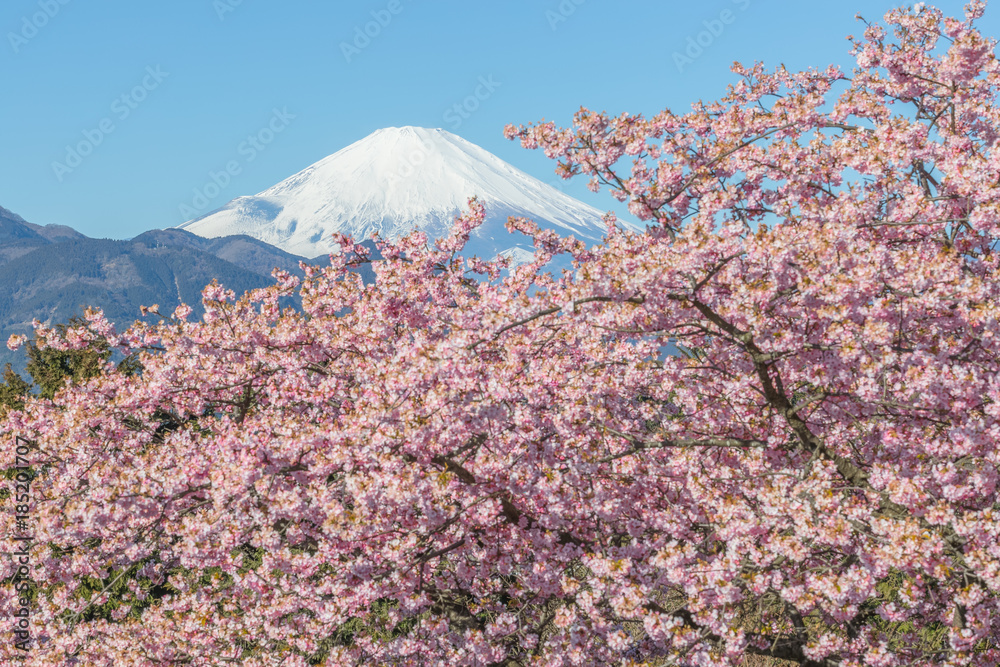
(392, 181)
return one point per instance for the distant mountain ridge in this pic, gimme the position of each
(393, 181)
(53, 272)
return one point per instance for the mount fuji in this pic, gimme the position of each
(393, 181)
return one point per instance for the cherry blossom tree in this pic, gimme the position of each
(765, 426)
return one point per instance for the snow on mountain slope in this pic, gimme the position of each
(392, 181)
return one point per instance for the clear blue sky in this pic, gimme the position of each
(201, 76)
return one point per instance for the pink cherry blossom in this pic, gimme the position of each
(767, 425)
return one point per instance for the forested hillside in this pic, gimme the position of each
(53, 273)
